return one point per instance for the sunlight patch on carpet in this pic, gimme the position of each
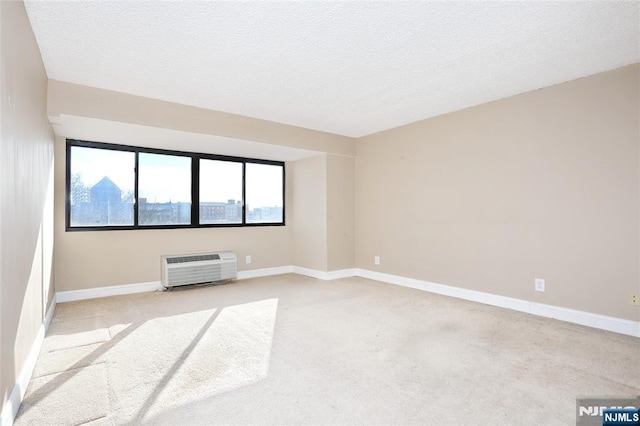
(234, 352)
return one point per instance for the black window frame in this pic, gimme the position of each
(195, 187)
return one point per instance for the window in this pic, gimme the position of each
(101, 187)
(264, 193)
(164, 189)
(124, 187)
(220, 192)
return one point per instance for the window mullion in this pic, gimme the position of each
(244, 193)
(195, 190)
(135, 191)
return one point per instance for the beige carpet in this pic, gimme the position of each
(294, 350)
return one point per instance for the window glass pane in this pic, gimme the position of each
(264, 188)
(220, 192)
(101, 187)
(164, 189)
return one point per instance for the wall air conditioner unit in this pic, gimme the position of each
(198, 268)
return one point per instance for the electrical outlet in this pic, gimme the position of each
(376, 260)
(247, 260)
(635, 299)
(539, 284)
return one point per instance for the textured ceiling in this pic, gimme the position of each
(351, 68)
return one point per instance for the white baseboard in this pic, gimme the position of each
(11, 406)
(265, 272)
(49, 315)
(323, 275)
(341, 273)
(92, 293)
(617, 325)
(313, 273)
(117, 290)
(603, 322)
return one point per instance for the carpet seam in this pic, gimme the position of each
(76, 347)
(92, 420)
(62, 321)
(72, 369)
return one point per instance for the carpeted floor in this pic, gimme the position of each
(290, 349)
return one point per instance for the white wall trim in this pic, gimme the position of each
(341, 273)
(617, 325)
(49, 315)
(11, 406)
(265, 272)
(92, 293)
(323, 275)
(117, 290)
(603, 322)
(313, 273)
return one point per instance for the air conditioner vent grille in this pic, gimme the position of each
(196, 258)
(198, 268)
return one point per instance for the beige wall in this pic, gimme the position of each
(323, 212)
(309, 212)
(82, 101)
(318, 233)
(95, 259)
(26, 189)
(340, 212)
(541, 185)
(90, 259)
(544, 184)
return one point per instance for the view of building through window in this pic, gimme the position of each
(220, 191)
(102, 188)
(164, 189)
(264, 193)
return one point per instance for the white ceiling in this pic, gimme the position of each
(351, 68)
